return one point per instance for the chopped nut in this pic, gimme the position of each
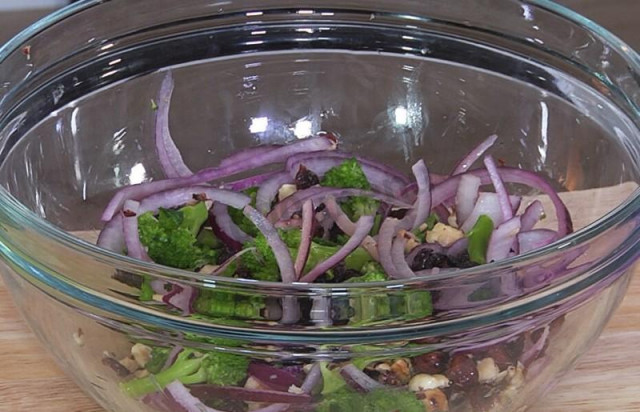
(295, 389)
(487, 370)
(443, 234)
(434, 400)
(129, 363)
(382, 367)
(422, 382)
(452, 220)
(402, 370)
(78, 337)
(141, 353)
(285, 191)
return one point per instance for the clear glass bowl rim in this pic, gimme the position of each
(629, 209)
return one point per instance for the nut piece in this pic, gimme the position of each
(462, 371)
(431, 363)
(78, 337)
(434, 400)
(487, 370)
(422, 382)
(443, 234)
(129, 363)
(402, 371)
(285, 191)
(141, 353)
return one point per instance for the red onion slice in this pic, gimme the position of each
(466, 197)
(458, 247)
(398, 258)
(532, 352)
(168, 154)
(386, 235)
(347, 226)
(112, 235)
(173, 355)
(227, 225)
(422, 205)
(182, 396)
(475, 154)
(247, 154)
(269, 190)
(363, 227)
(503, 239)
(135, 249)
(280, 250)
(501, 191)
(306, 235)
(224, 265)
(248, 182)
(293, 203)
(532, 215)
(535, 239)
(181, 297)
(140, 191)
(358, 380)
(313, 379)
(182, 196)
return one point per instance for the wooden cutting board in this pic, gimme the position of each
(606, 379)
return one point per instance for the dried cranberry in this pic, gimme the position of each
(305, 178)
(431, 363)
(515, 347)
(428, 259)
(462, 371)
(500, 355)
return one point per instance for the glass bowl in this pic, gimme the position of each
(398, 81)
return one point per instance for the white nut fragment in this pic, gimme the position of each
(142, 373)
(285, 191)
(443, 234)
(488, 371)
(422, 382)
(295, 389)
(141, 353)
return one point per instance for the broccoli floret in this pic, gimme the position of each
(191, 367)
(241, 220)
(349, 174)
(380, 400)
(215, 303)
(159, 357)
(331, 379)
(171, 237)
(262, 264)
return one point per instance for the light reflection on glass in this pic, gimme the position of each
(138, 174)
(401, 116)
(259, 124)
(544, 131)
(303, 128)
(254, 13)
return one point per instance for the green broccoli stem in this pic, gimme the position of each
(186, 369)
(479, 237)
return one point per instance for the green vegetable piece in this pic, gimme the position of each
(479, 237)
(241, 220)
(331, 378)
(190, 368)
(347, 175)
(146, 291)
(372, 272)
(216, 303)
(208, 239)
(431, 221)
(380, 400)
(159, 357)
(171, 237)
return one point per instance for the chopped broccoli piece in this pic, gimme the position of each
(216, 303)
(262, 264)
(191, 367)
(241, 220)
(331, 378)
(159, 357)
(349, 174)
(146, 291)
(380, 400)
(171, 237)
